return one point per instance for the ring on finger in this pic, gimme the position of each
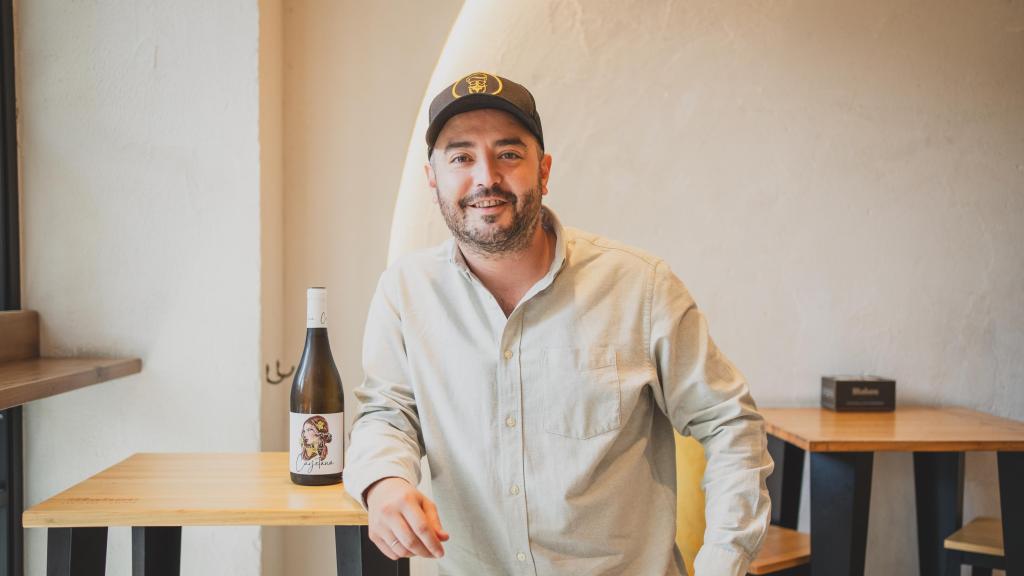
(393, 542)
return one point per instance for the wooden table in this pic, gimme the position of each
(157, 494)
(842, 446)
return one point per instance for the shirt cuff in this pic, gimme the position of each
(718, 561)
(357, 480)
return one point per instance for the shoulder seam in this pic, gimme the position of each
(650, 260)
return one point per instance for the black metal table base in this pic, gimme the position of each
(358, 555)
(76, 551)
(939, 494)
(840, 498)
(1011, 502)
(784, 484)
(156, 551)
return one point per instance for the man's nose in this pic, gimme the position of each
(486, 173)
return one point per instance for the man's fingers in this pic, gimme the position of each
(400, 550)
(383, 546)
(435, 522)
(420, 524)
(408, 538)
(399, 521)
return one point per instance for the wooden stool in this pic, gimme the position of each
(785, 553)
(979, 544)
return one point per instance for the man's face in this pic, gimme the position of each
(488, 174)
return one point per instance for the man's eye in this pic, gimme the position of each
(510, 155)
(460, 159)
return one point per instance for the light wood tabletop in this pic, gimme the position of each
(907, 429)
(197, 490)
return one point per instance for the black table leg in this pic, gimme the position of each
(76, 551)
(1011, 500)
(359, 556)
(785, 481)
(156, 550)
(840, 496)
(939, 491)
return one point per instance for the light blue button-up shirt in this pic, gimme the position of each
(549, 433)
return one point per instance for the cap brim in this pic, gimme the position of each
(477, 102)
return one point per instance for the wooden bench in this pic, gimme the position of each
(978, 544)
(785, 553)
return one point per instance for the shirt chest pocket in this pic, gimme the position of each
(581, 392)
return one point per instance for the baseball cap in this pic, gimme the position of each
(482, 90)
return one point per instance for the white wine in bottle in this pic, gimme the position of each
(317, 422)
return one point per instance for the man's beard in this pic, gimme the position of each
(488, 239)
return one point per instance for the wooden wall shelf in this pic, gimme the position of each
(24, 376)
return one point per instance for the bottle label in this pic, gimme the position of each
(317, 443)
(316, 308)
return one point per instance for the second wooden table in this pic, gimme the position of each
(842, 446)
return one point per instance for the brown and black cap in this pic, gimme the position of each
(482, 90)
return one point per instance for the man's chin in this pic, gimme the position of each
(489, 226)
(485, 239)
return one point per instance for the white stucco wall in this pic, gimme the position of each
(840, 184)
(140, 178)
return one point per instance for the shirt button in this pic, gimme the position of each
(513, 490)
(510, 422)
(521, 557)
(508, 354)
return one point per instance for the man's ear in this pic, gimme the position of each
(428, 170)
(545, 173)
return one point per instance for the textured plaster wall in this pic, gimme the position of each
(353, 77)
(840, 184)
(141, 222)
(271, 71)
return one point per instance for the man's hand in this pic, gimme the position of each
(403, 522)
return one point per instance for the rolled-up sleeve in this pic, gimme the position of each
(386, 439)
(707, 398)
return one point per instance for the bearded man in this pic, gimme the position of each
(541, 371)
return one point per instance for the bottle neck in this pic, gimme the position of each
(316, 335)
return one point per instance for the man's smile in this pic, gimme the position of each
(488, 206)
(488, 203)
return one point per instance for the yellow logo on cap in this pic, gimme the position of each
(477, 83)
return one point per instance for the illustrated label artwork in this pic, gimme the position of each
(317, 443)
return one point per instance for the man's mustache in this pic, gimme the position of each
(484, 193)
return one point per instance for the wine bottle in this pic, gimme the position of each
(317, 421)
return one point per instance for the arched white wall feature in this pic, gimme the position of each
(838, 183)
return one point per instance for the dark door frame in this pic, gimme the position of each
(12, 501)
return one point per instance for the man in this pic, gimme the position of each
(541, 370)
